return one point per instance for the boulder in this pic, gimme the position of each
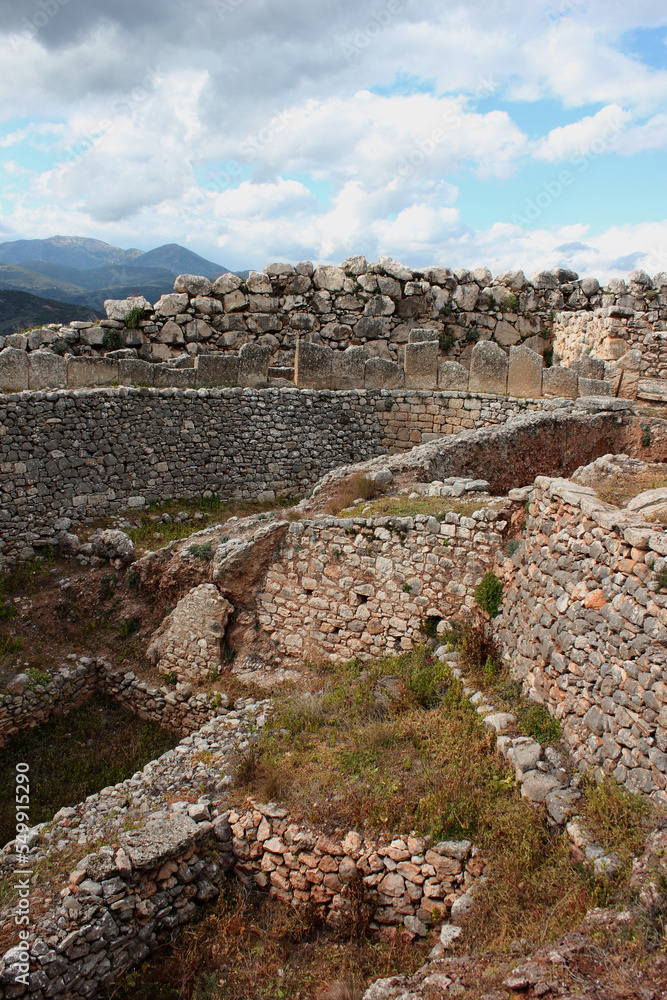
(488, 369)
(217, 369)
(193, 285)
(111, 543)
(525, 373)
(118, 309)
(188, 642)
(452, 377)
(313, 366)
(14, 368)
(91, 372)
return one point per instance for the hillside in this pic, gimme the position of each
(86, 272)
(21, 311)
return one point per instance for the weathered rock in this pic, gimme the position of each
(488, 368)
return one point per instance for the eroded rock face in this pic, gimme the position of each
(188, 642)
(111, 543)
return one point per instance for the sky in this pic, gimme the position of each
(500, 133)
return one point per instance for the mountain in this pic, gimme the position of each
(85, 272)
(22, 311)
(86, 254)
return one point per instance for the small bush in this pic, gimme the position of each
(133, 579)
(646, 437)
(38, 676)
(429, 626)
(445, 342)
(446, 310)
(134, 317)
(9, 645)
(536, 721)
(129, 627)
(203, 551)
(406, 588)
(7, 612)
(510, 304)
(472, 333)
(661, 579)
(111, 340)
(511, 547)
(489, 594)
(106, 587)
(171, 678)
(60, 346)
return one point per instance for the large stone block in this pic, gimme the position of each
(588, 368)
(217, 369)
(594, 387)
(348, 368)
(254, 364)
(82, 372)
(119, 308)
(525, 373)
(423, 336)
(46, 370)
(421, 365)
(452, 377)
(131, 371)
(381, 374)
(488, 368)
(559, 382)
(167, 376)
(313, 367)
(13, 370)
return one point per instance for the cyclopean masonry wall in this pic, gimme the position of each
(69, 456)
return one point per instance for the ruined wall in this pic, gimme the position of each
(344, 587)
(69, 456)
(585, 627)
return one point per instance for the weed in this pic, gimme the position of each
(134, 317)
(511, 547)
(7, 613)
(107, 587)
(348, 490)
(548, 357)
(111, 340)
(429, 626)
(38, 677)
(203, 551)
(536, 721)
(445, 342)
(510, 304)
(60, 346)
(171, 678)
(489, 594)
(10, 645)
(446, 310)
(406, 588)
(129, 627)
(133, 579)
(661, 579)
(472, 333)
(646, 437)
(389, 405)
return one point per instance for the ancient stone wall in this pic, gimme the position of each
(26, 703)
(584, 625)
(69, 456)
(344, 587)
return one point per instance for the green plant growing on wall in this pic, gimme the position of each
(646, 437)
(60, 346)
(445, 342)
(489, 594)
(510, 304)
(472, 333)
(134, 318)
(111, 340)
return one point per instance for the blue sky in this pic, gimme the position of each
(505, 133)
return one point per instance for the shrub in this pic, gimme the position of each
(445, 342)
(489, 594)
(129, 627)
(134, 317)
(536, 721)
(511, 547)
(646, 436)
(171, 678)
(446, 310)
(133, 579)
(203, 551)
(661, 579)
(510, 304)
(60, 346)
(548, 358)
(106, 587)
(7, 612)
(111, 340)
(472, 333)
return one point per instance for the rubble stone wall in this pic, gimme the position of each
(585, 627)
(71, 455)
(344, 587)
(28, 704)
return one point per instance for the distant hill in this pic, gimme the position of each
(22, 311)
(85, 272)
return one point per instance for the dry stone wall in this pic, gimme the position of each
(584, 625)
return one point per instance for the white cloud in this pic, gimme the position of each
(593, 134)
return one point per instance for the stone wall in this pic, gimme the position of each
(585, 627)
(344, 587)
(26, 704)
(69, 456)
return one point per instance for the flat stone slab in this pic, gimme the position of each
(165, 836)
(536, 785)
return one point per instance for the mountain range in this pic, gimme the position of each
(85, 272)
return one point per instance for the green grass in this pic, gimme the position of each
(73, 755)
(402, 506)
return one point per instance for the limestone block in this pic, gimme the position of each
(90, 372)
(525, 373)
(93, 336)
(171, 333)
(347, 370)
(452, 376)
(217, 369)
(421, 365)
(17, 340)
(131, 371)
(559, 382)
(13, 370)
(381, 374)
(119, 308)
(329, 278)
(166, 375)
(423, 336)
(188, 641)
(594, 387)
(652, 389)
(488, 368)
(226, 283)
(254, 364)
(192, 284)
(172, 304)
(259, 283)
(506, 334)
(588, 368)
(313, 366)
(46, 370)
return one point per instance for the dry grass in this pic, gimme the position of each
(401, 506)
(620, 488)
(252, 946)
(348, 490)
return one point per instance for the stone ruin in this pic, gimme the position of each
(583, 624)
